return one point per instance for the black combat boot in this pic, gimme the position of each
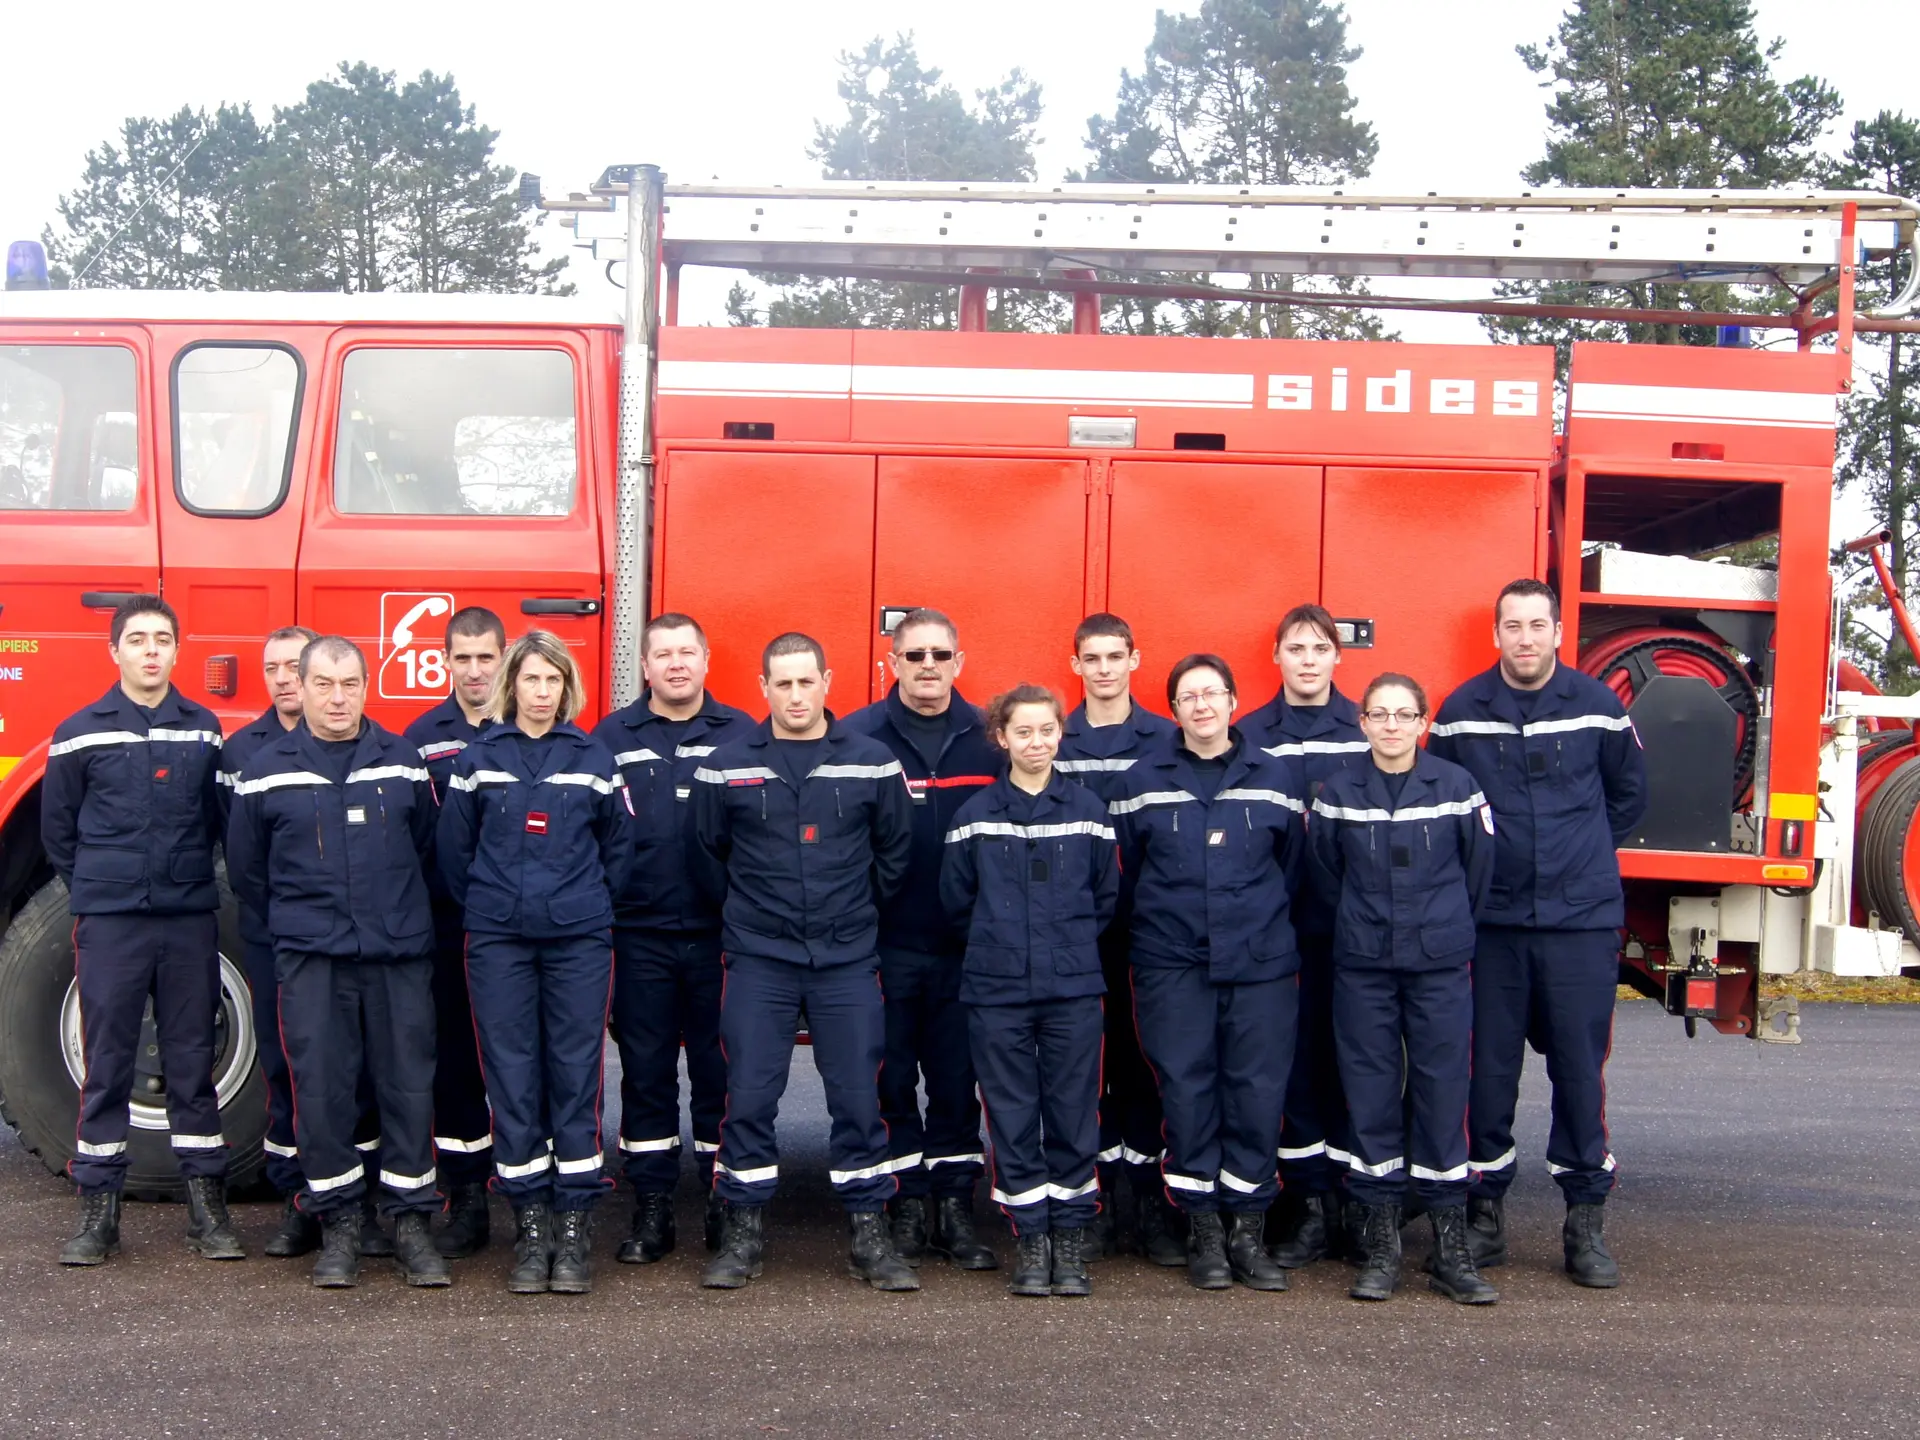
(909, 1217)
(954, 1235)
(1589, 1261)
(653, 1236)
(1070, 1263)
(468, 1227)
(1155, 1221)
(532, 1272)
(1032, 1265)
(1247, 1254)
(714, 1224)
(299, 1232)
(1103, 1236)
(1452, 1272)
(1207, 1267)
(572, 1272)
(742, 1248)
(1487, 1232)
(414, 1253)
(375, 1242)
(1380, 1269)
(99, 1232)
(338, 1267)
(209, 1227)
(1306, 1225)
(871, 1256)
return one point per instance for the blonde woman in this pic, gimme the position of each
(535, 837)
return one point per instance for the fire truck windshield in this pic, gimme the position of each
(67, 427)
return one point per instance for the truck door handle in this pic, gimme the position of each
(555, 605)
(106, 599)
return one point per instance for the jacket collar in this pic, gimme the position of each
(172, 707)
(763, 732)
(1303, 722)
(1419, 781)
(1002, 793)
(1555, 693)
(959, 715)
(567, 731)
(1177, 757)
(638, 716)
(1139, 720)
(450, 719)
(367, 744)
(268, 725)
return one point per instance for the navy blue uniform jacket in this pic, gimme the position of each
(441, 735)
(1567, 782)
(535, 836)
(240, 747)
(130, 810)
(969, 761)
(1032, 895)
(1211, 884)
(1409, 873)
(802, 871)
(660, 893)
(335, 869)
(1098, 755)
(1323, 741)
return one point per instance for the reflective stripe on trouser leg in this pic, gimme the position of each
(282, 1149)
(398, 1011)
(576, 993)
(503, 979)
(1130, 1096)
(320, 1027)
(759, 1015)
(1437, 1013)
(926, 1037)
(848, 1024)
(1177, 1010)
(1039, 1069)
(1502, 1000)
(1316, 1105)
(1575, 975)
(114, 960)
(1256, 1028)
(186, 997)
(666, 993)
(1367, 1027)
(462, 1124)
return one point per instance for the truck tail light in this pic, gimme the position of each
(223, 675)
(1791, 834)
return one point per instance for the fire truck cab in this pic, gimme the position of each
(365, 465)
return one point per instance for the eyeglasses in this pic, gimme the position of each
(1399, 717)
(1187, 699)
(921, 657)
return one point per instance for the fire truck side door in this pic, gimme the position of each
(455, 469)
(77, 528)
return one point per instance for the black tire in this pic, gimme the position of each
(39, 1097)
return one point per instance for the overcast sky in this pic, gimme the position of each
(730, 88)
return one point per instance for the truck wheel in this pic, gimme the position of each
(41, 1062)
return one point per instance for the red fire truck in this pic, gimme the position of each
(367, 464)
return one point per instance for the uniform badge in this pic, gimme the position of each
(536, 822)
(161, 773)
(809, 834)
(1216, 837)
(356, 815)
(918, 790)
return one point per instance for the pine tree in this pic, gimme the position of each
(1245, 92)
(1662, 93)
(904, 122)
(1878, 437)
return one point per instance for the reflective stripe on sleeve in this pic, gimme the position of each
(1153, 797)
(386, 772)
(186, 737)
(596, 783)
(635, 757)
(278, 782)
(693, 752)
(855, 772)
(1086, 767)
(1475, 727)
(481, 777)
(1412, 812)
(1578, 722)
(1031, 832)
(1315, 747)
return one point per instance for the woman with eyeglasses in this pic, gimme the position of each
(1030, 876)
(1406, 842)
(1210, 833)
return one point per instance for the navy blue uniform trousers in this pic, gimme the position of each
(1039, 1069)
(462, 1124)
(1405, 1039)
(927, 1036)
(759, 1017)
(119, 960)
(541, 1009)
(1555, 988)
(666, 994)
(1316, 1134)
(341, 1019)
(1222, 1054)
(1129, 1097)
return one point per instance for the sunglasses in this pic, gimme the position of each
(921, 657)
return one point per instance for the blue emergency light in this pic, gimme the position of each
(26, 266)
(1735, 337)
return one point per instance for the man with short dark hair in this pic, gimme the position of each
(329, 829)
(1312, 724)
(280, 667)
(1104, 737)
(666, 936)
(129, 815)
(801, 828)
(462, 1125)
(943, 747)
(1561, 767)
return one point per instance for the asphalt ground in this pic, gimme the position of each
(1765, 1218)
